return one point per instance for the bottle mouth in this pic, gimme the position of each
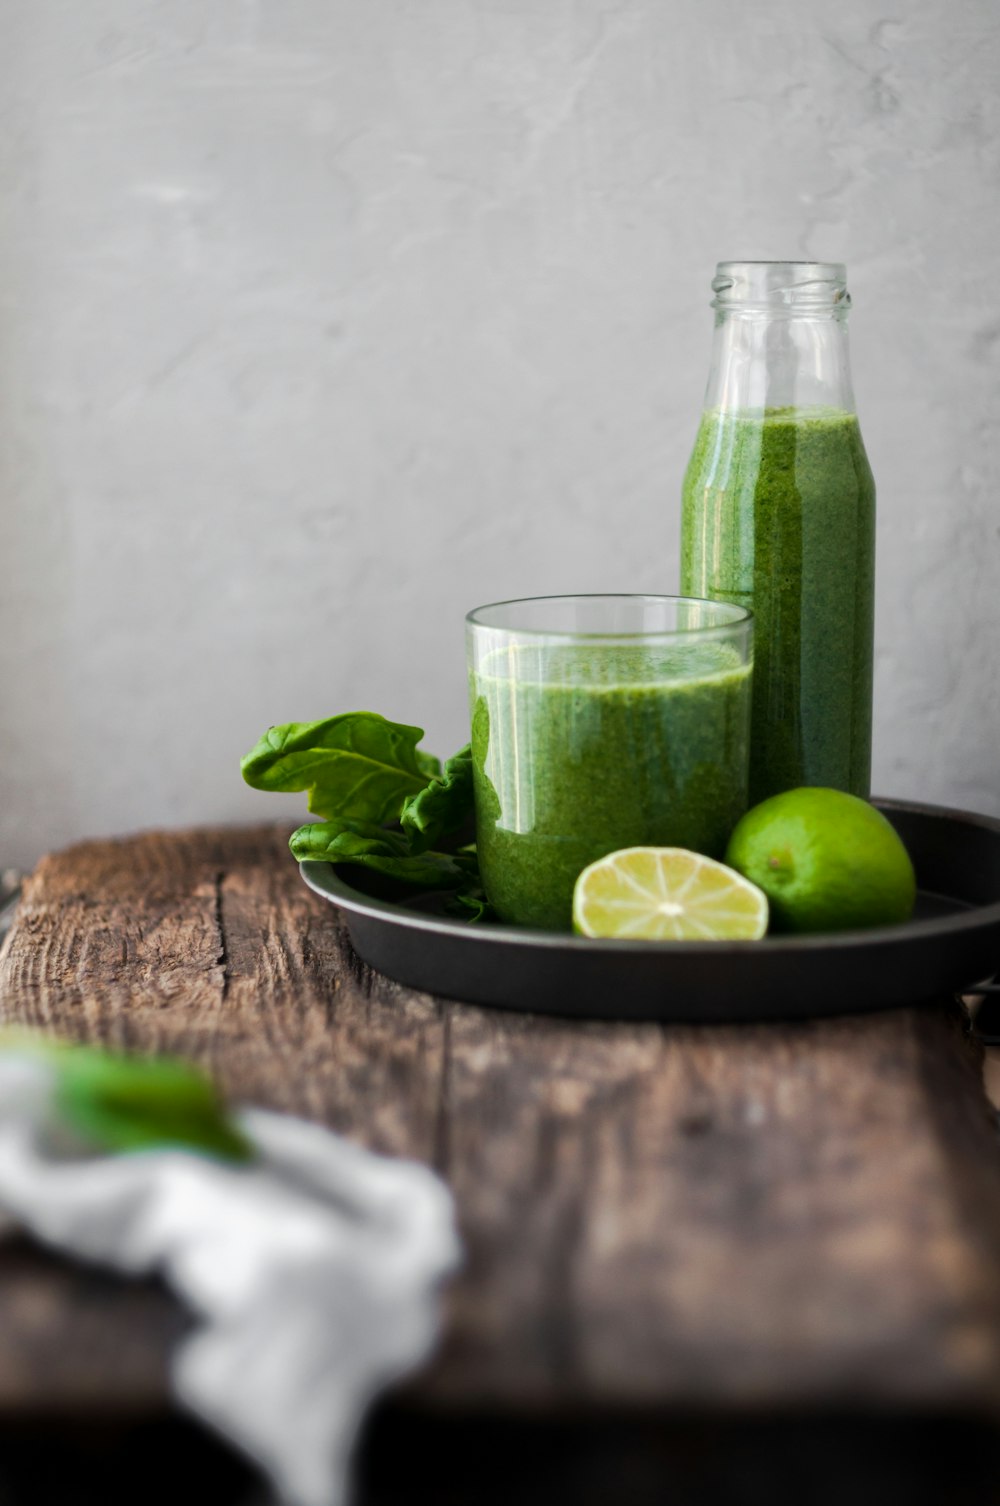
(794, 287)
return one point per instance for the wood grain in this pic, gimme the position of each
(743, 1216)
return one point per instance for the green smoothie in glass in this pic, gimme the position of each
(779, 515)
(585, 741)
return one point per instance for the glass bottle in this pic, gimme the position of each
(779, 516)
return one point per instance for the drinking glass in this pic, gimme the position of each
(602, 722)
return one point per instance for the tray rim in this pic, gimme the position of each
(324, 879)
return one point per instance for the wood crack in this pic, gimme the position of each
(220, 926)
(442, 1120)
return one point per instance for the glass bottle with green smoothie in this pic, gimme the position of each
(779, 516)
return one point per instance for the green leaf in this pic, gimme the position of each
(345, 841)
(356, 765)
(470, 904)
(443, 806)
(129, 1103)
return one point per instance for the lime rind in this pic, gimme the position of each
(827, 860)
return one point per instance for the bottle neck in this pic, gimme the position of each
(780, 336)
(782, 360)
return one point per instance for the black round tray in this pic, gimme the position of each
(952, 943)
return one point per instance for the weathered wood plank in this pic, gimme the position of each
(742, 1214)
(728, 1215)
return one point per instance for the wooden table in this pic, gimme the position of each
(696, 1256)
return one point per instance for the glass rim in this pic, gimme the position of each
(805, 289)
(834, 268)
(740, 617)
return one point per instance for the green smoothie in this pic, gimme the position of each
(579, 751)
(779, 516)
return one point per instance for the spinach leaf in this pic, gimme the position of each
(470, 904)
(362, 772)
(126, 1103)
(443, 806)
(356, 764)
(346, 841)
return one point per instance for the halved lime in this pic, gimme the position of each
(666, 894)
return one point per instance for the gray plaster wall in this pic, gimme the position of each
(322, 321)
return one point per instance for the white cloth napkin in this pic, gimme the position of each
(314, 1271)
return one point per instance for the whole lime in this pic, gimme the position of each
(827, 861)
